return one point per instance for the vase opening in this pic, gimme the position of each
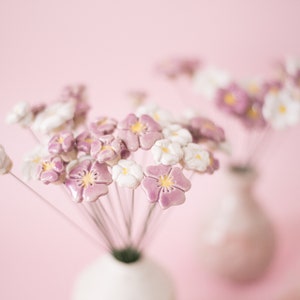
(240, 169)
(126, 255)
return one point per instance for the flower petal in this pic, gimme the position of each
(151, 188)
(171, 198)
(180, 181)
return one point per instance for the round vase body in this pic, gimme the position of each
(237, 240)
(110, 279)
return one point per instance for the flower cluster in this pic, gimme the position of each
(259, 105)
(93, 161)
(256, 103)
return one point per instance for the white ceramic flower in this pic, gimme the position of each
(31, 162)
(177, 134)
(54, 116)
(208, 80)
(21, 114)
(127, 173)
(196, 158)
(167, 152)
(281, 109)
(5, 161)
(161, 116)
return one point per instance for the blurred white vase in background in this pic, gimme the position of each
(237, 240)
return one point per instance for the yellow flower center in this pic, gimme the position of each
(88, 179)
(89, 140)
(47, 166)
(60, 140)
(138, 127)
(165, 149)
(165, 181)
(101, 122)
(229, 99)
(125, 171)
(252, 113)
(156, 117)
(253, 88)
(106, 147)
(174, 133)
(282, 109)
(198, 156)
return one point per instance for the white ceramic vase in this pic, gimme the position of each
(237, 239)
(110, 279)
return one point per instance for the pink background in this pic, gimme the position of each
(112, 46)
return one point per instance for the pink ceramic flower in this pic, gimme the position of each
(88, 180)
(253, 116)
(84, 141)
(232, 99)
(166, 185)
(51, 170)
(176, 67)
(139, 132)
(106, 149)
(62, 142)
(204, 129)
(103, 126)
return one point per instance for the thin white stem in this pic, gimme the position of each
(258, 143)
(110, 220)
(122, 208)
(131, 214)
(101, 228)
(60, 213)
(146, 224)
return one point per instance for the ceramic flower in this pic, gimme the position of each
(84, 142)
(175, 133)
(291, 65)
(253, 116)
(5, 161)
(166, 185)
(208, 80)
(106, 149)
(161, 116)
(281, 110)
(196, 158)
(176, 67)
(204, 129)
(127, 173)
(233, 99)
(62, 142)
(20, 114)
(167, 152)
(140, 132)
(31, 162)
(54, 117)
(50, 170)
(77, 95)
(103, 126)
(88, 180)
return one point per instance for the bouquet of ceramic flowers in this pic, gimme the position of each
(102, 164)
(258, 104)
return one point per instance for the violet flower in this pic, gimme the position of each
(166, 185)
(253, 117)
(106, 149)
(176, 67)
(62, 142)
(84, 141)
(103, 126)
(232, 99)
(204, 129)
(140, 132)
(50, 170)
(88, 180)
